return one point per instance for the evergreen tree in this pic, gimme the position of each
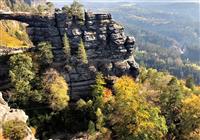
(65, 9)
(45, 54)
(170, 100)
(21, 74)
(66, 46)
(82, 55)
(190, 82)
(76, 9)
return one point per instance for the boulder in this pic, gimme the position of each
(76, 32)
(130, 40)
(8, 114)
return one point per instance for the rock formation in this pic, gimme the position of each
(108, 49)
(8, 114)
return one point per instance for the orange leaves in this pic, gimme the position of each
(107, 94)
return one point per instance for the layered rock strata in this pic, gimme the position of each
(109, 50)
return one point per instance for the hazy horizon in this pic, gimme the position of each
(148, 1)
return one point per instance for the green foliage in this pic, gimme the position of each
(21, 74)
(91, 127)
(75, 9)
(82, 55)
(100, 119)
(44, 53)
(66, 46)
(170, 100)
(192, 53)
(56, 90)
(48, 8)
(190, 83)
(65, 8)
(99, 86)
(190, 123)
(15, 130)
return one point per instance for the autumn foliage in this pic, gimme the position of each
(56, 90)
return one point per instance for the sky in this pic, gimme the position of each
(60, 1)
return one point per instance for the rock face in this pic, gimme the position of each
(109, 50)
(8, 114)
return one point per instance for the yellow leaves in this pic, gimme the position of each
(58, 98)
(126, 85)
(6, 40)
(33, 130)
(192, 103)
(190, 115)
(133, 117)
(57, 90)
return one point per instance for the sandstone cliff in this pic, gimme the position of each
(8, 114)
(109, 50)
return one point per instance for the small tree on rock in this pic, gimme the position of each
(82, 55)
(15, 130)
(66, 46)
(45, 54)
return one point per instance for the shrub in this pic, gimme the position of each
(15, 130)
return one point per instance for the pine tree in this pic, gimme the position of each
(21, 74)
(82, 55)
(190, 82)
(66, 46)
(45, 54)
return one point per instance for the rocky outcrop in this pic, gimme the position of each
(109, 50)
(80, 77)
(8, 114)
